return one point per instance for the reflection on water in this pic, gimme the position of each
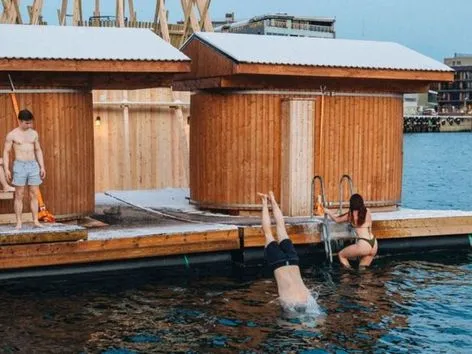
(400, 305)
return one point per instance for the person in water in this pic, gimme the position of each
(360, 219)
(282, 257)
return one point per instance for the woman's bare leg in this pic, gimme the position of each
(279, 219)
(266, 224)
(357, 250)
(366, 261)
(343, 260)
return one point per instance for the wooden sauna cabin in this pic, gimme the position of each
(54, 70)
(271, 112)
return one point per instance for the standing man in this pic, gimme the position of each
(28, 167)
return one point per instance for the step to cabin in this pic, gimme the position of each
(48, 233)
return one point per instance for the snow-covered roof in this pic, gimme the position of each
(84, 43)
(319, 52)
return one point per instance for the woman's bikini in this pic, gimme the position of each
(370, 241)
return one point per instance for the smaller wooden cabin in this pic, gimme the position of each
(271, 112)
(54, 70)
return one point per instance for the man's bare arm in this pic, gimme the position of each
(39, 156)
(6, 155)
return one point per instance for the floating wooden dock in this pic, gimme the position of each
(65, 245)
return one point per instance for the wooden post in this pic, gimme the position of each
(205, 22)
(9, 14)
(160, 19)
(126, 144)
(132, 13)
(17, 16)
(120, 20)
(297, 133)
(96, 12)
(61, 14)
(189, 18)
(36, 12)
(77, 13)
(3, 14)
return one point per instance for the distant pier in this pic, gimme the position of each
(435, 123)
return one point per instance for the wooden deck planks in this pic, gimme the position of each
(299, 234)
(91, 251)
(306, 233)
(53, 247)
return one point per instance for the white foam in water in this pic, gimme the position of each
(309, 314)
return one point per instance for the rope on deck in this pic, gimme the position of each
(152, 211)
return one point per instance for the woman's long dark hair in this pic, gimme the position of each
(357, 203)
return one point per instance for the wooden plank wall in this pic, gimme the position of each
(235, 147)
(63, 121)
(155, 153)
(297, 149)
(363, 137)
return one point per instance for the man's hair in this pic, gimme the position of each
(25, 115)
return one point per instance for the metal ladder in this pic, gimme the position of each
(325, 236)
(340, 232)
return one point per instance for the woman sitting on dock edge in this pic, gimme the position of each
(360, 219)
(283, 259)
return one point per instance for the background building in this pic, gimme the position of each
(283, 25)
(456, 96)
(420, 103)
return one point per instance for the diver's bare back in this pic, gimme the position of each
(23, 143)
(291, 288)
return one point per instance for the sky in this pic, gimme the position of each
(436, 28)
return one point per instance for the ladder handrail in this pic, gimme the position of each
(327, 239)
(323, 198)
(349, 179)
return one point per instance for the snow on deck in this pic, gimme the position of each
(178, 199)
(28, 228)
(168, 198)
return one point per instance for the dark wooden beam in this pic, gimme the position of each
(302, 70)
(270, 82)
(110, 66)
(88, 81)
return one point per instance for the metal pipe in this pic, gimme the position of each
(349, 179)
(311, 93)
(420, 244)
(323, 199)
(161, 262)
(124, 103)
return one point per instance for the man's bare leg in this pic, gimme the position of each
(18, 205)
(33, 192)
(279, 219)
(266, 224)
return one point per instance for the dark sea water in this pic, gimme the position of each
(437, 171)
(409, 304)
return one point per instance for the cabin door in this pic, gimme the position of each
(297, 150)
